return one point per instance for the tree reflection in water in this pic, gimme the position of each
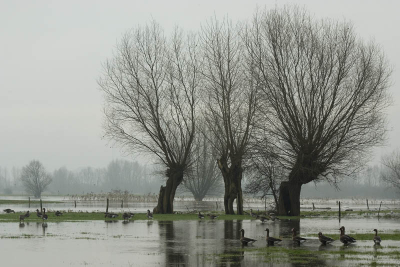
(175, 248)
(232, 256)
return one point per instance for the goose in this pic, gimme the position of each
(9, 211)
(127, 215)
(39, 214)
(377, 239)
(245, 240)
(44, 215)
(271, 240)
(149, 214)
(201, 216)
(272, 217)
(212, 216)
(27, 214)
(324, 239)
(345, 239)
(297, 239)
(23, 216)
(262, 218)
(253, 214)
(110, 215)
(58, 213)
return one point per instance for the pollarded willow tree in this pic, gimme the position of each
(326, 91)
(230, 101)
(150, 88)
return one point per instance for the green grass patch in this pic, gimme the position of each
(87, 216)
(93, 216)
(301, 255)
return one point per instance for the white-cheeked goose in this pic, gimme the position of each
(149, 214)
(58, 213)
(9, 211)
(212, 216)
(44, 215)
(271, 240)
(245, 240)
(38, 213)
(297, 239)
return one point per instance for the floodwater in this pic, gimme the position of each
(174, 243)
(188, 204)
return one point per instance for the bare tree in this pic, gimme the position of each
(230, 102)
(391, 169)
(204, 176)
(35, 178)
(326, 93)
(150, 89)
(266, 172)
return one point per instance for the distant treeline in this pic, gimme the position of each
(118, 175)
(367, 184)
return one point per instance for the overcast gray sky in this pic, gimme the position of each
(51, 54)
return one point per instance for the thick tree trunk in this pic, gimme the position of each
(239, 201)
(289, 199)
(233, 187)
(167, 193)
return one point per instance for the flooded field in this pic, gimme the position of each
(191, 243)
(188, 204)
(195, 242)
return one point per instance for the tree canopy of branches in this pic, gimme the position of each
(204, 176)
(150, 87)
(266, 173)
(391, 169)
(34, 178)
(230, 103)
(326, 90)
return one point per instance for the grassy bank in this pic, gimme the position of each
(86, 216)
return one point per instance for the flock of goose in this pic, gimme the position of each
(345, 239)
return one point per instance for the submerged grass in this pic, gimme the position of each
(88, 216)
(384, 236)
(85, 216)
(278, 254)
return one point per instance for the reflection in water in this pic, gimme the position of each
(44, 227)
(175, 252)
(286, 226)
(232, 234)
(376, 248)
(127, 222)
(181, 243)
